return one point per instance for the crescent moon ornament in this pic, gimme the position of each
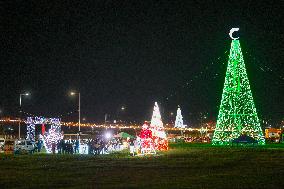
(232, 31)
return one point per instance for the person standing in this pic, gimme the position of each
(77, 147)
(53, 146)
(39, 145)
(131, 147)
(97, 148)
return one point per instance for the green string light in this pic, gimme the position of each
(237, 113)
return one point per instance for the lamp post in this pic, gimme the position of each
(79, 110)
(20, 111)
(121, 114)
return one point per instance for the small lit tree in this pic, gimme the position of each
(147, 143)
(179, 120)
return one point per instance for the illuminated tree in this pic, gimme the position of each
(237, 113)
(179, 120)
(147, 142)
(158, 130)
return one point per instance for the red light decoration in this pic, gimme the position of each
(147, 142)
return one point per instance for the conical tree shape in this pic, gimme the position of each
(146, 140)
(156, 121)
(179, 120)
(237, 113)
(158, 130)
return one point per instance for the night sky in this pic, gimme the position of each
(133, 53)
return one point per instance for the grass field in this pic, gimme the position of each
(184, 166)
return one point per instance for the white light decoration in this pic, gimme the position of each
(156, 123)
(30, 129)
(179, 120)
(108, 135)
(158, 131)
(54, 134)
(52, 137)
(232, 31)
(84, 149)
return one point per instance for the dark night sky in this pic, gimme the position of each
(132, 53)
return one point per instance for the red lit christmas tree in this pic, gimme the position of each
(147, 142)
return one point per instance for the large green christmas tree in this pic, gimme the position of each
(237, 113)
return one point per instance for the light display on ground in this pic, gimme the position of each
(158, 130)
(30, 129)
(50, 138)
(179, 120)
(146, 140)
(237, 113)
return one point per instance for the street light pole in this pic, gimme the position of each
(20, 112)
(20, 117)
(79, 111)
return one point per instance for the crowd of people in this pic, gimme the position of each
(67, 147)
(101, 145)
(90, 146)
(96, 146)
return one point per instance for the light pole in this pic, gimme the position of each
(105, 121)
(20, 111)
(121, 114)
(79, 110)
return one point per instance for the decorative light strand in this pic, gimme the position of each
(179, 120)
(237, 113)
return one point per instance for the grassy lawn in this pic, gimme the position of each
(184, 166)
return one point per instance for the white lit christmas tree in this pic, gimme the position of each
(158, 130)
(179, 120)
